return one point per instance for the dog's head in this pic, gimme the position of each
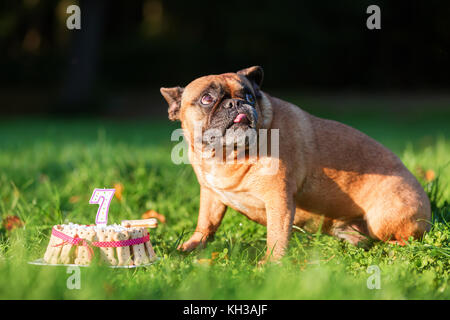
(226, 105)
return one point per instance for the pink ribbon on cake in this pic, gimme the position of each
(103, 244)
(74, 241)
(121, 243)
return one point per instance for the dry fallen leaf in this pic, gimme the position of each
(153, 214)
(12, 222)
(204, 261)
(215, 255)
(430, 175)
(119, 190)
(74, 199)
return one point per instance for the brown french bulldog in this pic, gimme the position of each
(328, 175)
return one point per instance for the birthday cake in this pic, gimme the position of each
(118, 245)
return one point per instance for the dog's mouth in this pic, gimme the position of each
(244, 118)
(232, 127)
(241, 121)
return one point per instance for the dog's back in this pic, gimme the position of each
(350, 177)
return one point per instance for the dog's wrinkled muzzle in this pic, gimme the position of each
(232, 121)
(246, 114)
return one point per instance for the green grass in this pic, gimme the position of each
(45, 162)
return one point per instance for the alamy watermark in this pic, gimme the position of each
(374, 281)
(74, 20)
(233, 146)
(374, 20)
(74, 280)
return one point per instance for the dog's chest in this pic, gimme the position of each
(244, 202)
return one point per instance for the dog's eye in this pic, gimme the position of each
(249, 98)
(207, 99)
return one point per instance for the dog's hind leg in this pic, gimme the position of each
(402, 212)
(396, 226)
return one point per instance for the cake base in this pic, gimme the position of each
(117, 245)
(41, 262)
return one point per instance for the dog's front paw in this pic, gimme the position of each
(190, 245)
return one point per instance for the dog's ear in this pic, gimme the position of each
(255, 74)
(173, 98)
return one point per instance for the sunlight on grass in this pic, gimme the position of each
(49, 169)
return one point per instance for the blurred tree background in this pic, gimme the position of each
(141, 45)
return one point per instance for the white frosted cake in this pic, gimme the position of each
(117, 245)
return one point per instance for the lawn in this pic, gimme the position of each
(49, 168)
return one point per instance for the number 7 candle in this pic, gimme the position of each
(103, 198)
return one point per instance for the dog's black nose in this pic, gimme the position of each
(229, 103)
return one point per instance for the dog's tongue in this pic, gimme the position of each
(240, 117)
